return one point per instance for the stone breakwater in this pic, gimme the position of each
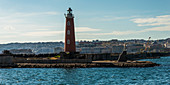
(75, 61)
(88, 65)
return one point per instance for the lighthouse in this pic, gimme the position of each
(69, 45)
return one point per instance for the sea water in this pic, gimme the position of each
(159, 75)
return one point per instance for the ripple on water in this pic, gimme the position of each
(78, 76)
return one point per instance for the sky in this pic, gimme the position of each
(44, 21)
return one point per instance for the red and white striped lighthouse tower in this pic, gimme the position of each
(69, 45)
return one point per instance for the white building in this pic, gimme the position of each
(21, 51)
(87, 50)
(117, 49)
(94, 50)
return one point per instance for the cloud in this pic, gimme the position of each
(156, 21)
(119, 33)
(85, 29)
(35, 14)
(110, 18)
(46, 32)
(113, 18)
(9, 28)
(42, 33)
(162, 28)
(22, 18)
(18, 18)
(161, 23)
(112, 33)
(124, 32)
(7, 36)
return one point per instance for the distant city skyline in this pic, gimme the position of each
(44, 21)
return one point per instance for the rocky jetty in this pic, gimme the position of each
(70, 61)
(88, 65)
